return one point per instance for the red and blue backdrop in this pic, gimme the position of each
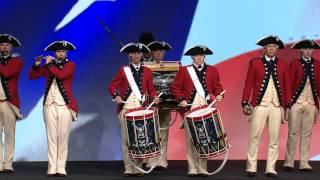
(229, 28)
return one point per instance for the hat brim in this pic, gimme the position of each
(271, 40)
(60, 45)
(157, 45)
(7, 38)
(134, 47)
(197, 51)
(306, 44)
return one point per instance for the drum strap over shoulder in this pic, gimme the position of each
(196, 82)
(132, 83)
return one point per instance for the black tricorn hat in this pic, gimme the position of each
(270, 40)
(146, 38)
(60, 45)
(135, 47)
(7, 38)
(196, 50)
(306, 43)
(157, 45)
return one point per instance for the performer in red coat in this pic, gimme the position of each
(10, 68)
(305, 78)
(198, 94)
(60, 107)
(129, 88)
(264, 98)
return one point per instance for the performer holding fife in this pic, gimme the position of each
(60, 107)
(196, 85)
(10, 68)
(267, 85)
(304, 74)
(128, 88)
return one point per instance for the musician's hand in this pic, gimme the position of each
(219, 97)
(284, 115)
(118, 99)
(287, 114)
(38, 60)
(181, 126)
(247, 110)
(156, 100)
(183, 103)
(48, 59)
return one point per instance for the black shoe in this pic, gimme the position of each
(8, 171)
(160, 168)
(139, 174)
(251, 174)
(288, 168)
(203, 175)
(306, 170)
(128, 174)
(272, 175)
(51, 175)
(192, 175)
(144, 166)
(61, 175)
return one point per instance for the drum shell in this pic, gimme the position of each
(207, 133)
(143, 134)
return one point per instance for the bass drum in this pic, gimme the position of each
(163, 75)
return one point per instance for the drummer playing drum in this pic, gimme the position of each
(196, 85)
(129, 88)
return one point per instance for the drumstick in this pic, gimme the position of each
(213, 102)
(152, 102)
(209, 104)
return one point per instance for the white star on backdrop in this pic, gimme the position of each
(76, 10)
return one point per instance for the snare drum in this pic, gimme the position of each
(207, 132)
(143, 133)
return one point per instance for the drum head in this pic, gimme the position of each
(140, 113)
(200, 112)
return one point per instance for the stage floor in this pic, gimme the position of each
(177, 170)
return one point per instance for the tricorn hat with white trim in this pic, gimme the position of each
(7, 38)
(157, 45)
(270, 40)
(60, 45)
(135, 47)
(196, 50)
(306, 43)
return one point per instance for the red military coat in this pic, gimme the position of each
(183, 88)
(298, 79)
(256, 81)
(64, 76)
(120, 85)
(9, 72)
